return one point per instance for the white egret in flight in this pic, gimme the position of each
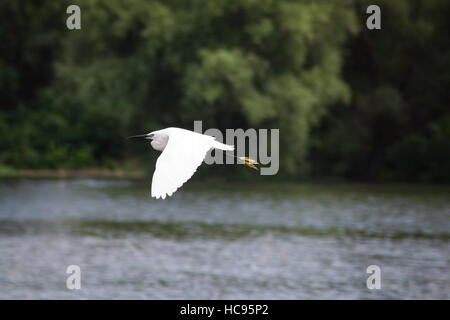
(183, 152)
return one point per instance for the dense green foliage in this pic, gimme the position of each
(349, 102)
(397, 126)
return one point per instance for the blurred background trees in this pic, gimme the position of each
(350, 103)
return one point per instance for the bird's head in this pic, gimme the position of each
(158, 139)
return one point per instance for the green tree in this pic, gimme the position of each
(146, 64)
(400, 77)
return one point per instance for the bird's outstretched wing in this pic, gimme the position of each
(180, 159)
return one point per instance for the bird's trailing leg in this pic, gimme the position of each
(249, 162)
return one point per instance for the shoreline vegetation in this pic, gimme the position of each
(72, 173)
(126, 173)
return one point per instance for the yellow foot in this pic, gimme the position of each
(249, 162)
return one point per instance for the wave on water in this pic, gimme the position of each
(193, 229)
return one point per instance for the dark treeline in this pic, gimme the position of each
(350, 103)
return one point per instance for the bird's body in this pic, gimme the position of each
(183, 152)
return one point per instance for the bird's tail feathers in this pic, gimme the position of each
(221, 146)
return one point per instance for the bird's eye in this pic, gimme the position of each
(151, 135)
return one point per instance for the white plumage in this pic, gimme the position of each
(183, 152)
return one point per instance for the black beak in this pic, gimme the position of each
(138, 136)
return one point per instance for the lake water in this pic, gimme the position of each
(222, 242)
